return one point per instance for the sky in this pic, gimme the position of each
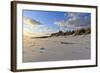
(39, 23)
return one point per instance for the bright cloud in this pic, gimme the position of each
(60, 23)
(31, 22)
(75, 20)
(78, 19)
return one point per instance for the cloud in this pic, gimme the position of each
(75, 20)
(31, 22)
(60, 23)
(43, 29)
(78, 19)
(33, 27)
(38, 31)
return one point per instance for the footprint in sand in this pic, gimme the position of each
(42, 50)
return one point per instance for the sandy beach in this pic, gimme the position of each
(56, 48)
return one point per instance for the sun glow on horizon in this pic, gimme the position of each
(35, 34)
(33, 28)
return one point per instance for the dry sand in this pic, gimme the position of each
(56, 48)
